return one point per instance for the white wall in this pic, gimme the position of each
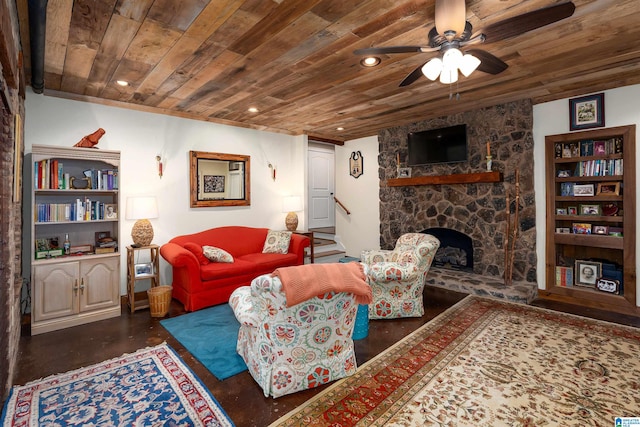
(361, 229)
(140, 136)
(551, 118)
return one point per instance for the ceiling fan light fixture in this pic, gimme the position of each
(451, 15)
(448, 75)
(432, 69)
(370, 61)
(468, 64)
(452, 58)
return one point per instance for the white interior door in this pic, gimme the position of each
(322, 212)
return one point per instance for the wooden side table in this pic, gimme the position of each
(309, 234)
(141, 271)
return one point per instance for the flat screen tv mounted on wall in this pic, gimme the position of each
(444, 145)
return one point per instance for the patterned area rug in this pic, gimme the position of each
(485, 362)
(151, 387)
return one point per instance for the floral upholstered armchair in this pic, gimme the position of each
(288, 349)
(397, 276)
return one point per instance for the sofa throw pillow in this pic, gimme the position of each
(277, 242)
(197, 251)
(216, 254)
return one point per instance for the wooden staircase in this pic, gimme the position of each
(326, 249)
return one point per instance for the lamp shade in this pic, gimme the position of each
(141, 208)
(292, 204)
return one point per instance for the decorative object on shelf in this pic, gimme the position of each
(91, 140)
(141, 208)
(80, 183)
(608, 285)
(564, 173)
(511, 236)
(600, 229)
(583, 190)
(609, 188)
(356, 166)
(160, 165)
(143, 269)
(581, 228)
(404, 172)
(572, 210)
(561, 211)
(586, 112)
(587, 273)
(110, 211)
(610, 209)
(291, 204)
(590, 210)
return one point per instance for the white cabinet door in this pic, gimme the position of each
(99, 283)
(56, 288)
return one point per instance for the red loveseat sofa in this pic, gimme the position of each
(198, 283)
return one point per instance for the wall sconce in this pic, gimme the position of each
(142, 209)
(291, 204)
(160, 165)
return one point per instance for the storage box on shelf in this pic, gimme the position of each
(74, 194)
(591, 245)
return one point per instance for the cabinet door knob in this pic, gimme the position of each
(75, 286)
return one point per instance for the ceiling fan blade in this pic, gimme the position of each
(488, 62)
(389, 49)
(413, 76)
(451, 15)
(528, 21)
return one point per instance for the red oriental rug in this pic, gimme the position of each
(485, 362)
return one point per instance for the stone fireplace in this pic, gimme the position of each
(455, 251)
(477, 210)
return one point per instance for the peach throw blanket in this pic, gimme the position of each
(302, 282)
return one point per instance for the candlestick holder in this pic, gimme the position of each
(489, 162)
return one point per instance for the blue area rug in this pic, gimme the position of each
(152, 386)
(210, 335)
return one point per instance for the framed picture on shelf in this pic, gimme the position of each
(581, 228)
(586, 112)
(563, 230)
(599, 148)
(404, 172)
(561, 211)
(587, 273)
(586, 148)
(583, 190)
(572, 210)
(142, 270)
(566, 188)
(590, 210)
(110, 211)
(609, 188)
(615, 231)
(600, 229)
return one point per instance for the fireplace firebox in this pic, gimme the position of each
(455, 251)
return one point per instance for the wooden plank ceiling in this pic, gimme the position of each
(293, 59)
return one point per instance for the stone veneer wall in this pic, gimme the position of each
(478, 210)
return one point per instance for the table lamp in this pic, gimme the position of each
(291, 204)
(141, 208)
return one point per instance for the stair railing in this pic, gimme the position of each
(339, 203)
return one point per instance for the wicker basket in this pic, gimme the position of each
(159, 300)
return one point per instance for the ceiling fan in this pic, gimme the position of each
(452, 31)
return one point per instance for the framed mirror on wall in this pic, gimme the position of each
(219, 179)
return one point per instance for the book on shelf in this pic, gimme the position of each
(105, 250)
(564, 276)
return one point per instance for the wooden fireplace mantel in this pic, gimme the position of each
(461, 178)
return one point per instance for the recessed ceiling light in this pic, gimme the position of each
(253, 110)
(340, 128)
(370, 61)
(122, 82)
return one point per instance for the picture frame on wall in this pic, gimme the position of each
(586, 112)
